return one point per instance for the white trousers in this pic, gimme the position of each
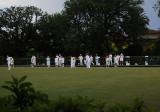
(72, 64)
(48, 63)
(88, 64)
(81, 62)
(9, 66)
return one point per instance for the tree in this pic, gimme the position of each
(52, 32)
(97, 23)
(157, 7)
(17, 28)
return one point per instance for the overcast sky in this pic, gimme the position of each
(53, 6)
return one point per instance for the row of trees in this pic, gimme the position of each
(93, 26)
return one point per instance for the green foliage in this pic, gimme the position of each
(137, 106)
(94, 23)
(83, 26)
(23, 94)
(79, 104)
(39, 107)
(5, 105)
(152, 48)
(157, 7)
(2, 60)
(140, 60)
(18, 28)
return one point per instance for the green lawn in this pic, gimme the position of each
(106, 84)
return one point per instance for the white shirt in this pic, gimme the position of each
(9, 60)
(56, 60)
(107, 59)
(48, 59)
(121, 56)
(12, 60)
(91, 58)
(32, 59)
(72, 59)
(118, 57)
(110, 56)
(87, 58)
(97, 58)
(80, 57)
(62, 60)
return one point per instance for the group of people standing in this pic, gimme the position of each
(118, 60)
(86, 60)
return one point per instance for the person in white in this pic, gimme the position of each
(48, 61)
(121, 58)
(97, 58)
(88, 61)
(62, 61)
(32, 61)
(56, 61)
(12, 62)
(81, 59)
(91, 60)
(110, 59)
(107, 61)
(9, 62)
(115, 61)
(72, 62)
(118, 58)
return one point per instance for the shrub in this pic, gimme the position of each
(23, 94)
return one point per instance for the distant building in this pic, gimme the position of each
(152, 34)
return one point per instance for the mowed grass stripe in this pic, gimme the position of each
(106, 84)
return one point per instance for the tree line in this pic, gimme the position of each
(92, 26)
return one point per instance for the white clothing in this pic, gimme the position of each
(62, 62)
(56, 61)
(48, 61)
(81, 60)
(72, 62)
(110, 58)
(97, 58)
(121, 57)
(88, 61)
(32, 59)
(107, 61)
(91, 60)
(116, 60)
(9, 59)
(12, 61)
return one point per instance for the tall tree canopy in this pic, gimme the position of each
(52, 33)
(17, 28)
(98, 23)
(93, 26)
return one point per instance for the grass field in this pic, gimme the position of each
(106, 84)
